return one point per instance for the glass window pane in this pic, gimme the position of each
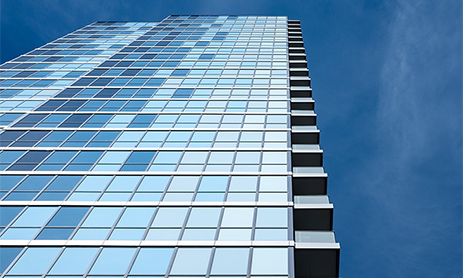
(224, 265)
(74, 261)
(35, 260)
(163, 234)
(102, 217)
(269, 261)
(94, 183)
(170, 217)
(68, 216)
(272, 217)
(204, 217)
(113, 261)
(238, 217)
(273, 183)
(183, 183)
(213, 183)
(34, 217)
(154, 183)
(235, 234)
(243, 184)
(124, 183)
(7, 255)
(136, 217)
(191, 261)
(152, 261)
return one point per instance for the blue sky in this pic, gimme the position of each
(387, 81)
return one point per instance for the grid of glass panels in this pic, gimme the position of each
(172, 135)
(30, 79)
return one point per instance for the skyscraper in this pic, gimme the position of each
(183, 148)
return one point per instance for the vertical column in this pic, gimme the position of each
(316, 251)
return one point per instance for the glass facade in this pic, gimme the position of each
(160, 149)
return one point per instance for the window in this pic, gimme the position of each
(36, 260)
(113, 261)
(269, 261)
(152, 261)
(191, 261)
(223, 265)
(74, 261)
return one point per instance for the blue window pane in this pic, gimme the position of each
(63, 183)
(92, 234)
(74, 261)
(269, 261)
(102, 217)
(8, 214)
(240, 183)
(146, 197)
(213, 183)
(29, 160)
(94, 183)
(191, 261)
(223, 265)
(55, 136)
(124, 183)
(7, 255)
(34, 183)
(163, 234)
(97, 120)
(34, 217)
(20, 196)
(199, 234)
(114, 157)
(238, 217)
(136, 217)
(152, 261)
(127, 234)
(20, 233)
(55, 233)
(180, 183)
(204, 217)
(60, 157)
(167, 157)
(75, 120)
(154, 183)
(35, 260)
(272, 217)
(271, 234)
(170, 217)
(68, 216)
(210, 197)
(8, 182)
(86, 157)
(235, 234)
(52, 196)
(113, 261)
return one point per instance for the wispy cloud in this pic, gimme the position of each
(417, 177)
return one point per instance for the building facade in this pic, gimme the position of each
(181, 148)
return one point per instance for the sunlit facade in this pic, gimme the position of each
(181, 148)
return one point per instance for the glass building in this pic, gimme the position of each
(181, 148)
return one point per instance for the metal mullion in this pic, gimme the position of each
(164, 192)
(182, 229)
(219, 223)
(142, 177)
(171, 263)
(92, 263)
(150, 223)
(112, 228)
(47, 221)
(43, 188)
(102, 191)
(21, 212)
